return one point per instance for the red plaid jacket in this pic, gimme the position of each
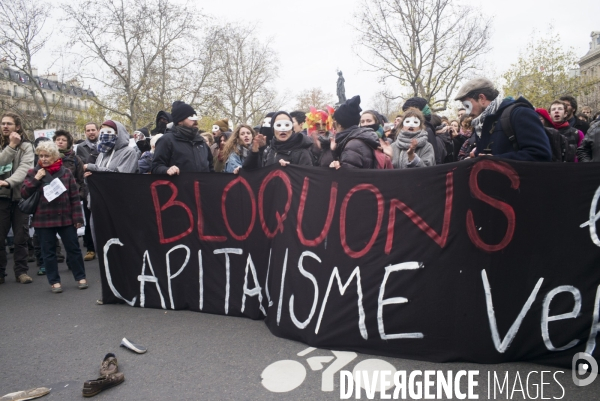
(62, 211)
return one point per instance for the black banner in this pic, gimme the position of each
(485, 261)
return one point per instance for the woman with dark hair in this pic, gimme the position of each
(286, 147)
(16, 158)
(60, 214)
(64, 142)
(466, 136)
(219, 158)
(237, 147)
(372, 119)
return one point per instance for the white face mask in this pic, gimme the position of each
(107, 130)
(283, 125)
(411, 122)
(267, 122)
(468, 107)
(215, 128)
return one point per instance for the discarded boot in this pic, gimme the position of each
(93, 387)
(109, 365)
(140, 349)
(26, 394)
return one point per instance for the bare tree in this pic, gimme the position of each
(22, 37)
(386, 104)
(314, 97)
(245, 75)
(135, 49)
(426, 45)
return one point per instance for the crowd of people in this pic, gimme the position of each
(51, 174)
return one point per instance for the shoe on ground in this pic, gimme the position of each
(42, 271)
(84, 285)
(89, 256)
(26, 394)
(93, 387)
(24, 279)
(140, 349)
(56, 288)
(110, 366)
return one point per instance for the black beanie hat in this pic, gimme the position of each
(145, 131)
(180, 111)
(348, 113)
(416, 102)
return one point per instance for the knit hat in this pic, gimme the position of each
(145, 131)
(180, 111)
(111, 124)
(223, 124)
(544, 113)
(348, 113)
(417, 103)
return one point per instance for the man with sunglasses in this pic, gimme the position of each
(182, 149)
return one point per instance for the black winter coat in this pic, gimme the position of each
(432, 139)
(589, 151)
(174, 149)
(295, 150)
(355, 147)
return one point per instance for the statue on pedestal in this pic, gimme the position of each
(341, 91)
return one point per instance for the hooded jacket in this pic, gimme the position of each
(122, 159)
(22, 160)
(355, 147)
(156, 129)
(174, 149)
(530, 135)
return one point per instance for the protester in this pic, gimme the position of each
(182, 149)
(237, 147)
(145, 162)
(421, 104)
(443, 135)
(589, 151)
(587, 111)
(37, 249)
(483, 102)
(162, 119)
(64, 141)
(354, 146)
(16, 158)
(411, 148)
(115, 153)
(320, 127)
(62, 216)
(465, 138)
(219, 158)
(299, 118)
(559, 121)
(461, 112)
(574, 122)
(286, 147)
(142, 140)
(88, 153)
(372, 119)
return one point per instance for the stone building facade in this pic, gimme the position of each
(589, 66)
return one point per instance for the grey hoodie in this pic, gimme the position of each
(122, 159)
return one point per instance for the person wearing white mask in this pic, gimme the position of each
(411, 148)
(287, 147)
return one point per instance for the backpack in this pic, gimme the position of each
(558, 142)
(571, 135)
(382, 161)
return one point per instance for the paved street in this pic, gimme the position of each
(59, 341)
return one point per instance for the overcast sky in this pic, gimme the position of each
(315, 37)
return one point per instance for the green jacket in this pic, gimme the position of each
(22, 160)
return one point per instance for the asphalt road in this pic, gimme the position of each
(59, 341)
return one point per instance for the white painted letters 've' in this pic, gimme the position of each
(546, 318)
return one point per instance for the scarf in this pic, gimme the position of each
(188, 133)
(106, 142)
(492, 108)
(65, 152)
(53, 168)
(402, 143)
